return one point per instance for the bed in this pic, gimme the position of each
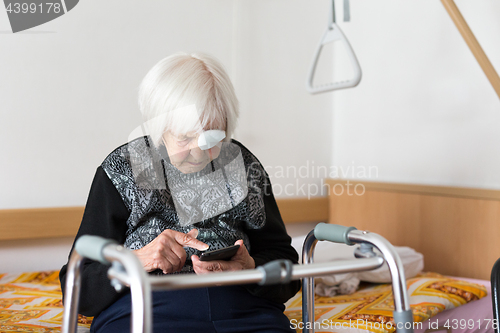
(404, 214)
(31, 302)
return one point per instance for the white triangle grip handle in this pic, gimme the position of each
(333, 34)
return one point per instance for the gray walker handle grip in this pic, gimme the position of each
(92, 246)
(333, 233)
(276, 271)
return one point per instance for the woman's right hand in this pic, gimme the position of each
(166, 251)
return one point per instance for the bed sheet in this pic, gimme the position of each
(474, 317)
(369, 310)
(31, 302)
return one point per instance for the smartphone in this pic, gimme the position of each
(220, 254)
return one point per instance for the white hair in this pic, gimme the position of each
(183, 81)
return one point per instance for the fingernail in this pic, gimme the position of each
(195, 233)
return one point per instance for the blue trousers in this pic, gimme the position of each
(227, 309)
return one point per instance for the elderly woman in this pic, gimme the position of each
(185, 188)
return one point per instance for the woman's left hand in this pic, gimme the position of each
(241, 260)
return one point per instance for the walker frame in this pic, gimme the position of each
(127, 271)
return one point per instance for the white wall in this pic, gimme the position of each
(424, 111)
(68, 93)
(68, 88)
(286, 127)
(68, 97)
(34, 254)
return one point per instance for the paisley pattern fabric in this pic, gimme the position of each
(216, 189)
(31, 303)
(218, 201)
(370, 309)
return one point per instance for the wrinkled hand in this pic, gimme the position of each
(241, 260)
(166, 251)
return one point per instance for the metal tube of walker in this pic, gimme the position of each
(259, 275)
(127, 271)
(402, 312)
(73, 284)
(263, 275)
(308, 282)
(134, 276)
(106, 251)
(140, 288)
(349, 235)
(271, 273)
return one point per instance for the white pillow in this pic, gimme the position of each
(413, 262)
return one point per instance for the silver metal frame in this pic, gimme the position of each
(126, 270)
(128, 265)
(401, 303)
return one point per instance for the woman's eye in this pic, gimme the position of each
(183, 141)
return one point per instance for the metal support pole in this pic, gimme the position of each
(140, 288)
(106, 251)
(401, 302)
(308, 282)
(73, 286)
(141, 284)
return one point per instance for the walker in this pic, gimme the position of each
(127, 271)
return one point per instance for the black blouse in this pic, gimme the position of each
(122, 207)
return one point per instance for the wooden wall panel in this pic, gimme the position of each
(297, 210)
(457, 230)
(378, 212)
(462, 235)
(39, 222)
(64, 221)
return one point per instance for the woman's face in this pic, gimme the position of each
(185, 154)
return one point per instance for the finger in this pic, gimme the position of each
(193, 233)
(187, 240)
(243, 257)
(154, 257)
(173, 253)
(177, 256)
(196, 265)
(169, 254)
(161, 262)
(171, 265)
(242, 251)
(202, 267)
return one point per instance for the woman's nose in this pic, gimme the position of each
(195, 150)
(197, 153)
